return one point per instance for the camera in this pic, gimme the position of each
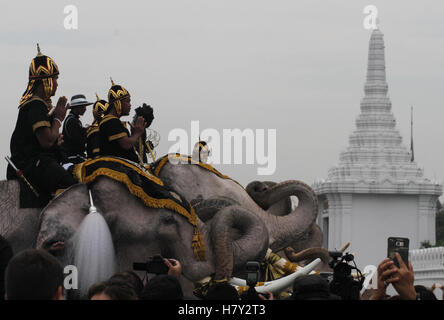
(253, 269)
(154, 264)
(252, 273)
(343, 283)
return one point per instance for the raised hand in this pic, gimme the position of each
(175, 268)
(385, 271)
(61, 108)
(60, 140)
(405, 278)
(139, 127)
(270, 296)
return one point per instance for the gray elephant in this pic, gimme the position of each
(261, 192)
(199, 184)
(18, 225)
(230, 238)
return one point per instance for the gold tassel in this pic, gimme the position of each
(198, 245)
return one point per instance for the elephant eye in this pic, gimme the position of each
(169, 219)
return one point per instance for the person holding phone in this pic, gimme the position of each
(401, 278)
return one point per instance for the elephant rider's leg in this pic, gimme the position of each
(48, 176)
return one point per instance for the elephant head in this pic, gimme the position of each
(257, 189)
(194, 182)
(60, 219)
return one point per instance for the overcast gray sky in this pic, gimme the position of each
(295, 66)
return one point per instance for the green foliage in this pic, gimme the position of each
(426, 244)
(439, 224)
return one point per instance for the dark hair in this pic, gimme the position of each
(222, 291)
(250, 294)
(130, 278)
(114, 289)
(163, 287)
(424, 293)
(33, 275)
(312, 287)
(146, 112)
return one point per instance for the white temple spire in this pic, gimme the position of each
(376, 154)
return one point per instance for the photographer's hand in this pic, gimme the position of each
(405, 278)
(385, 270)
(270, 296)
(175, 268)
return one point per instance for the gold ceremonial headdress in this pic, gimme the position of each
(201, 146)
(44, 69)
(99, 108)
(115, 94)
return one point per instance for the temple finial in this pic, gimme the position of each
(112, 82)
(39, 53)
(376, 59)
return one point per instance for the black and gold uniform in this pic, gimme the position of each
(92, 133)
(110, 130)
(39, 165)
(74, 136)
(92, 141)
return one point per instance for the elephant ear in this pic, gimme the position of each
(206, 209)
(60, 219)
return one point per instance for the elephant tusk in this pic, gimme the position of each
(237, 282)
(344, 247)
(281, 284)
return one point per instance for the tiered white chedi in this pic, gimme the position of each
(376, 191)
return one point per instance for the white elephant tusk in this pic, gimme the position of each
(237, 282)
(344, 247)
(281, 284)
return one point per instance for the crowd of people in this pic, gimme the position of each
(37, 275)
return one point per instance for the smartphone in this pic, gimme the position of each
(400, 245)
(252, 273)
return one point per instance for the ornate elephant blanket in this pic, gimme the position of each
(157, 166)
(144, 185)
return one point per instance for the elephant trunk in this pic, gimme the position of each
(256, 190)
(237, 236)
(308, 254)
(285, 230)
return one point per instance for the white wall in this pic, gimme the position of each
(378, 217)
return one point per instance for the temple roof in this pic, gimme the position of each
(376, 160)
